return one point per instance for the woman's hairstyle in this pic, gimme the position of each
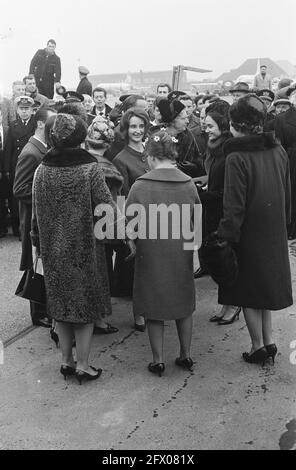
(248, 114)
(125, 121)
(47, 130)
(68, 131)
(219, 112)
(100, 133)
(131, 102)
(161, 146)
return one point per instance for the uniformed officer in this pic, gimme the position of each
(19, 133)
(84, 87)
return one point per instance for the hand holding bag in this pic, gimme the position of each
(220, 260)
(32, 286)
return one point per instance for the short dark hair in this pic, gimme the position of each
(125, 121)
(197, 98)
(163, 85)
(162, 147)
(99, 89)
(47, 131)
(42, 114)
(263, 66)
(28, 77)
(209, 97)
(51, 41)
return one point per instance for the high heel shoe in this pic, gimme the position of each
(271, 351)
(257, 357)
(235, 316)
(67, 370)
(54, 336)
(157, 368)
(81, 374)
(186, 363)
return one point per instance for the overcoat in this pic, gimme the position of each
(256, 209)
(18, 136)
(163, 281)
(29, 159)
(67, 187)
(84, 87)
(285, 129)
(47, 70)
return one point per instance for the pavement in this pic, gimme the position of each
(223, 404)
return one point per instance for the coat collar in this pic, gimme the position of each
(41, 147)
(172, 175)
(251, 143)
(289, 117)
(67, 157)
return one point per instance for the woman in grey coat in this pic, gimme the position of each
(68, 185)
(256, 211)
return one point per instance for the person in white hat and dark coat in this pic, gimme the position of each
(84, 87)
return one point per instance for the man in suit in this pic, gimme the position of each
(29, 159)
(84, 87)
(46, 67)
(32, 90)
(100, 108)
(19, 133)
(3, 180)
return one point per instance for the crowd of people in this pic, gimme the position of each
(63, 153)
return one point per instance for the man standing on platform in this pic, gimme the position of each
(46, 67)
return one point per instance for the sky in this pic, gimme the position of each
(131, 35)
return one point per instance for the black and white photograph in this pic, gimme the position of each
(147, 228)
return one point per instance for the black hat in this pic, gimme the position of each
(291, 89)
(36, 105)
(248, 112)
(169, 110)
(266, 94)
(174, 95)
(240, 86)
(73, 97)
(122, 98)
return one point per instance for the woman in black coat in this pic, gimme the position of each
(256, 210)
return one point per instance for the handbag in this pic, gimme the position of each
(32, 285)
(220, 260)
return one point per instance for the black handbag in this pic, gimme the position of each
(32, 286)
(220, 260)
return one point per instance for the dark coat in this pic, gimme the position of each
(131, 165)
(3, 149)
(285, 129)
(68, 186)
(29, 159)
(47, 70)
(18, 136)
(3, 179)
(84, 87)
(163, 282)
(256, 209)
(108, 110)
(212, 199)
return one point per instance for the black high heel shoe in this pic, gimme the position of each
(235, 316)
(157, 368)
(271, 351)
(67, 370)
(54, 336)
(186, 363)
(81, 375)
(257, 357)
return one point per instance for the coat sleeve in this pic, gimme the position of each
(34, 225)
(58, 71)
(288, 194)
(8, 153)
(123, 171)
(234, 201)
(24, 174)
(34, 63)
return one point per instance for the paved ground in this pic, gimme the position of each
(224, 404)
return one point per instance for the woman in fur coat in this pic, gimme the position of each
(256, 210)
(68, 185)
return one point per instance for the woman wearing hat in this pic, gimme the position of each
(68, 185)
(131, 163)
(256, 210)
(175, 119)
(160, 292)
(285, 130)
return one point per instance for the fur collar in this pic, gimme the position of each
(67, 157)
(251, 143)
